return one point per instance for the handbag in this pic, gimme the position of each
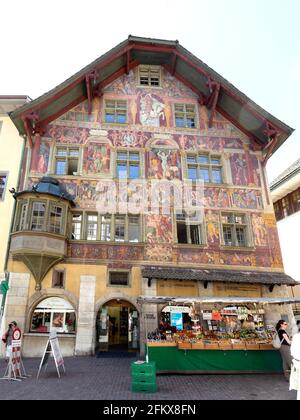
(276, 343)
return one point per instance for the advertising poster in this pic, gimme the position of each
(176, 320)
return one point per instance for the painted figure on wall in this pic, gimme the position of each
(213, 234)
(151, 111)
(96, 159)
(159, 229)
(163, 164)
(259, 230)
(128, 138)
(216, 198)
(246, 199)
(239, 169)
(67, 135)
(43, 158)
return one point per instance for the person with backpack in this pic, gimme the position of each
(285, 347)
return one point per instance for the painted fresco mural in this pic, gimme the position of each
(151, 130)
(96, 159)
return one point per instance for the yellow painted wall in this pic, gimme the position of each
(11, 145)
(72, 279)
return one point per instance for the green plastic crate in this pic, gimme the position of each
(144, 387)
(143, 377)
(145, 368)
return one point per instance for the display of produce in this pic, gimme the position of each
(230, 328)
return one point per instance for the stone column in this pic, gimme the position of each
(148, 314)
(16, 302)
(85, 338)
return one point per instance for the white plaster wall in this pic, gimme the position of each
(289, 235)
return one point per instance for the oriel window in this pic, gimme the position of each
(56, 214)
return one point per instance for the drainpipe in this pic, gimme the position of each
(4, 286)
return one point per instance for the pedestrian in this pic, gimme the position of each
(7, 338)
(295, 371)
(285, 348)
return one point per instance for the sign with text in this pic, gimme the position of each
(176, 320)
(52, 349)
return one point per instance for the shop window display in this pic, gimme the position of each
(53, 314)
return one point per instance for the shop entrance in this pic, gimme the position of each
(117, 327)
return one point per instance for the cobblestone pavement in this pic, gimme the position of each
(89, 378)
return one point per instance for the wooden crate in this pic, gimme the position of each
(198, 346)
(252, 346)
(184, 345)
(225, 345)
(266, 346)
(212, 346)
(238, 346)
(162, 344)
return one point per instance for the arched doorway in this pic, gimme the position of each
(117, 327)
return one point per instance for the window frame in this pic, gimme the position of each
(66, 158)
(84, 228)
(4, 188)
(149, 67)
(185, 113)
(105, 108)
(59, 270)
(188, 222)
(234, 226)
(116, 271)
(210, 166)
(128, 162)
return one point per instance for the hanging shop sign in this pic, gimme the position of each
(178, 309)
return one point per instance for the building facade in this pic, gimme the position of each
(145, 116)
(11, 148)
(285, 191)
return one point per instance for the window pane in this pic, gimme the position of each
(182, 233)
(216, 176)
(72, 166)
(190, 122)
(215, 161)
(203, 159)
(119, 279)
(179, 121)
(192, 173)
(3, 179)
(76, 226)
(55, 219)
(92, 224)
(240, 236)
(60, 167)
(61, 152)
(195, 235)
(133, 233)
(109, 117)
(121, 171)
(122, 156)
(105, 228)
(38, 213)
(134, 156)
(120, 233)
(134, 171)
(191, 159)
(121, 118)
(228, 235)
(204, 174)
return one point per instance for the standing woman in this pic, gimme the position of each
(285, 349)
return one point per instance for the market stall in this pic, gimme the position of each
(213, 335)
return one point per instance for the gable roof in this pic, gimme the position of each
(212, 89)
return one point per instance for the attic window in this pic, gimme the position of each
(149, 75)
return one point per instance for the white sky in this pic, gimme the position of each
(252, 43)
